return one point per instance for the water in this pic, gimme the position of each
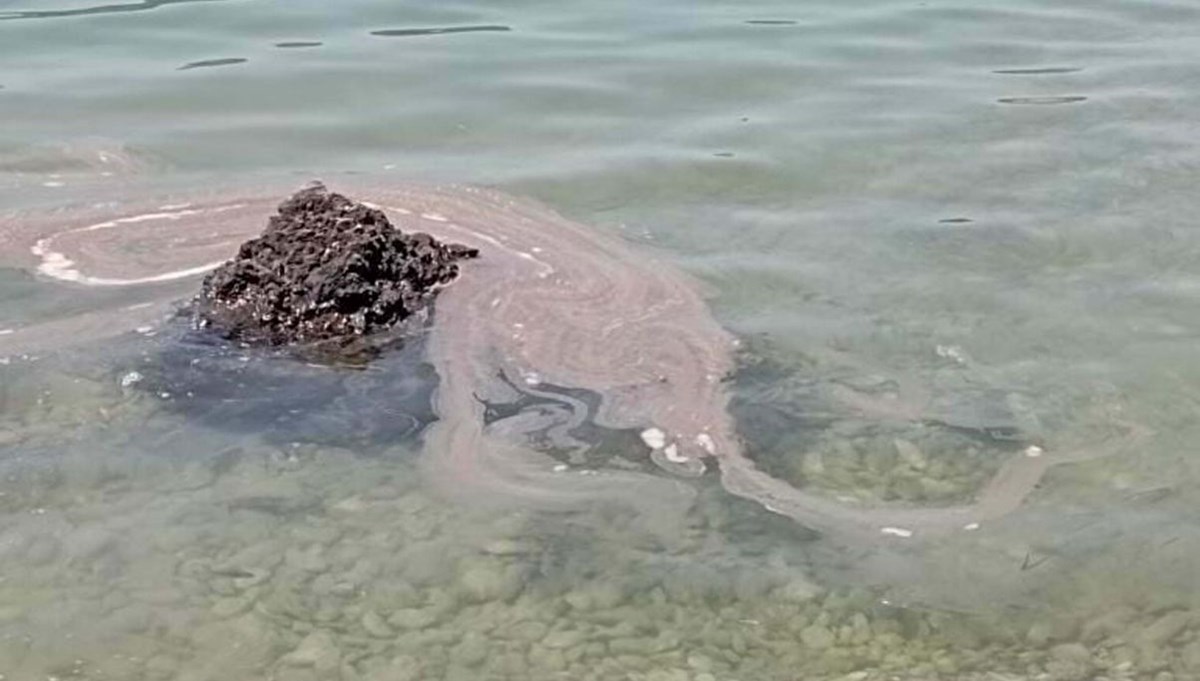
(991, 202)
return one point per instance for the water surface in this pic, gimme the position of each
(992, 202)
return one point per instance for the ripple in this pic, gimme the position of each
(771, 22)
(298, 44)
(98, 9)
(208, 63)
(409, 32)
(1043, 101)
(1051, 70)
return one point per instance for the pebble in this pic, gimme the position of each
(317, 650)
(817, 637)
(410, 619)
(491, 582)
(376, 626)
(563, 639)
(1165, 628)
(530, 630)
(472, 650)
(228, 607)
(911, 454)
(799, 590)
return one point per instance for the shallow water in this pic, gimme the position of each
(990, 205)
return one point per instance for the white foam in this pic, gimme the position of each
(673, 455)
(56, 265)
(896, 531)
(654, 438)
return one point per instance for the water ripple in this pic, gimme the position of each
(98, 9)
(408, 32)
(206, 63)
(1039, 71)
(1043, 101)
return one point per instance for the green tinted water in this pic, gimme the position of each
(990, 202)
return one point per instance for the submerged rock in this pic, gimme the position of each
(325, 269)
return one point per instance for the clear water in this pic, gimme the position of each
(993, 201)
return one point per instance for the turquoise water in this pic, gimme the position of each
(992, 201)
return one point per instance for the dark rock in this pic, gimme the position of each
(326, 269)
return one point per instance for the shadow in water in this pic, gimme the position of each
(285, 399)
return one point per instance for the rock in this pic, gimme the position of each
(529, 630)
(1071, 652)
(506, 547)
(700, 663)
(161, 668)
(411, 619)
(375, 625)
(233, 648)
(325, 269)
(228, 607)
(547, 660)
(1069, 662)
(87, 543)
(318, 650)
(817, 637)
(563, 639)
(799, 590)
(911, 454)
(1189, 657)
(1164, 628)
(491, 581)
(472, 650)
(1114, 622)
(399, 668)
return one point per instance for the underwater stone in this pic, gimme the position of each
(529, 630)
(473, 650)
(489, 581)
(325, 269)
(412, 618)
(317, 650)
(1164, 628)
(375, 625)
(817, 637)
